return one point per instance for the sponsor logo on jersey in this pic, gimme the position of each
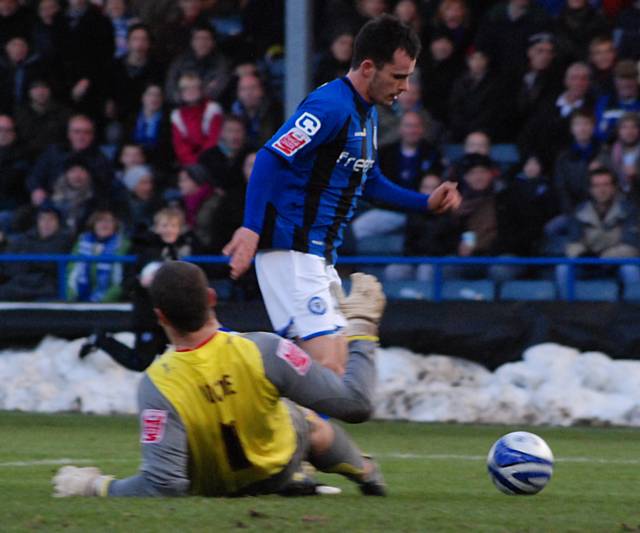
(153, 424)
(317, 305)
(358, 165)
(290, 142)
(297, 359)
(308, 123)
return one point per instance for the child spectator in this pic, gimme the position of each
(131, 155)
(196, 124)
(168, 240)
(625, 99)
(98, 282)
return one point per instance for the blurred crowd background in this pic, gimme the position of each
(130, 127)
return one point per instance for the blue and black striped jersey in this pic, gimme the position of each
(326, 159)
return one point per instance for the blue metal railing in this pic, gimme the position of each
(62, 260)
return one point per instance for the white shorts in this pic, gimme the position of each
(295, 290)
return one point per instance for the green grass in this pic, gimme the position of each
(595, 487)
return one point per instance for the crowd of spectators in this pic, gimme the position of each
(112, 111)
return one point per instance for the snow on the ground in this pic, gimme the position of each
(552, 384)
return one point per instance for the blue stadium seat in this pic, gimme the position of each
(392, 244)
(505, 155)
(408, 290)
(601, 290)
(482, 289)
(452, 152)
(528, 290)
(632, 292)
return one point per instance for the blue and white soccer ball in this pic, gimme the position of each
(520, 463)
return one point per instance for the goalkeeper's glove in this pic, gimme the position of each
(74, 481)
(363, 307)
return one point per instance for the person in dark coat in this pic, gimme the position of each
(31, 281)
(576, 26)
(14, 166)
(15, 20)
(475, 102)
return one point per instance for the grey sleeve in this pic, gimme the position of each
(311, 385)
(164, 470)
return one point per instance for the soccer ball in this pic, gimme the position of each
(520, 463)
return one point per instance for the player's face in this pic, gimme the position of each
(392, 79)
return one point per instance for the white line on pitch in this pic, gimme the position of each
(449, 456)
(61, 461)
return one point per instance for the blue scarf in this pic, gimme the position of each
(147, 129)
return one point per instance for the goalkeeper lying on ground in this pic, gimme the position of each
(212, 414)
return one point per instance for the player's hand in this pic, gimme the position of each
(241, 248)
(363, 307)
(74, 481)
(444, 198)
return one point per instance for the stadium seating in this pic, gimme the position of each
(601, 290)
(408, 290)
(481, 290)
(533, 290)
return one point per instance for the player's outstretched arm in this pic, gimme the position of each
(445, 197)
(241, 249)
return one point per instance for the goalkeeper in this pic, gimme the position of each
(214, 421)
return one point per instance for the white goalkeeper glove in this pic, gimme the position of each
(74, 481)
(363, 307)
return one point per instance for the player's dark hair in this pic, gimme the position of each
(380, 38)
(179, 290)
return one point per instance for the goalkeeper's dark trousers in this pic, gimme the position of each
(148, 345)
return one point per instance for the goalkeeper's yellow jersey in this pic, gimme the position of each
(238, 429)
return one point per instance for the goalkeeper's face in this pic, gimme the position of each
(390, 81)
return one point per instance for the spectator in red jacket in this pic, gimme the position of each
(196, 124)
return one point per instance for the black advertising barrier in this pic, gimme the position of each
(491, 333)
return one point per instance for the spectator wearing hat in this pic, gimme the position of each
(98, 281)
(79, 146)
(625, 99)
(623, 156)
(196, 124)
(476, 102)
(29, 281)
(204, 59)
(578, 23)
(42, 121)
(18, 68)
(547, 132)
(142, 197)
(535, 85)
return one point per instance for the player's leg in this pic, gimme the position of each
(332, 451)
(329, 350)
(295, 290)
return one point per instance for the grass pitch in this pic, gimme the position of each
(435, 472)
